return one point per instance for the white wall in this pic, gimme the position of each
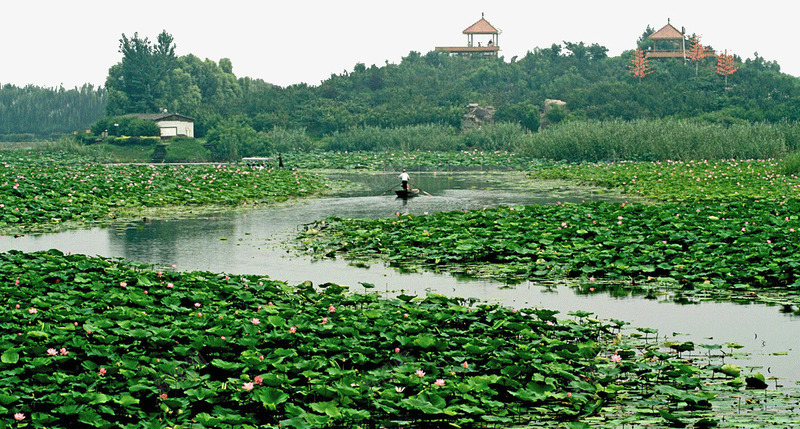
(176, 128)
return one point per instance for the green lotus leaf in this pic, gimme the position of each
(271, 397)
(10, 356)
(228, 366)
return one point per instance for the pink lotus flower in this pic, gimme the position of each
(255, 321)
(397, 349)
(465, 364)
(616, 358)
(258, 379)
(123, 284)
(102, 371)
(33, 311)
(292, 330)
(197, 305)
(248, 386)
(52, 352)
(63, 351)
(17, 306)
(324, 320)
(420, 373)
(332, 309)
(170, 285)
(19, 417)
(569, 394)
(439, 382)
(163, 396)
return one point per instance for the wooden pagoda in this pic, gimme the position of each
(668, 42)
(482, 28)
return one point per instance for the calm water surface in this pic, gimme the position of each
(254, 241)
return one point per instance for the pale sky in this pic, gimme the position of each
(51, 43)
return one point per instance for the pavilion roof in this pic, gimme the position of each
(481, 27)
(667, 32)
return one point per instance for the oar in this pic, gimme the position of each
(384, 192)
(425, 193)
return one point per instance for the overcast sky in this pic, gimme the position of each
(51, 43)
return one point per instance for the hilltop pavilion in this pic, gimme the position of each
(489, 49)
(668, 42)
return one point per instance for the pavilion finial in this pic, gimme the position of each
(481, 15)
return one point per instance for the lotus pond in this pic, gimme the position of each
(343, 367)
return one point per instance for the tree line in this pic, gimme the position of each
(33, 112)
(434, 88)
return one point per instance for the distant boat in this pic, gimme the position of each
(403, 193)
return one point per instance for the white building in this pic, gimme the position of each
(171, 124)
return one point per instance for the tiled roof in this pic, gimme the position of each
(667, 32)
(160, 116)
(481, 27)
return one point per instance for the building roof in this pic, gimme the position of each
(481, 27)
(667, 32)
(161, 117)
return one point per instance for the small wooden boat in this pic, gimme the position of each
(410, 193)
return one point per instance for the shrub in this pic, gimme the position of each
(134, 140)
(125, 126)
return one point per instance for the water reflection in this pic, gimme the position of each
(254, 242)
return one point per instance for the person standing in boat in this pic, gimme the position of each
(404, 180)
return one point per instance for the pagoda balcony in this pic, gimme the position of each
(467, 49)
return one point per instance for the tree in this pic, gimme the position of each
(697, 52)
(230, 139)
(138, 77)
(639, 66)
(726, 65)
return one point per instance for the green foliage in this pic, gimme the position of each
(726, 223)
(128, 141)
(125, 126)
(430, 89)
(523, 113)
(95, 342)
(283, 140)
(790, 164)
(231, 139)
(48, 112)
(416, 161)
(408, 138)
(135, 84)
(577, 141)
(47, 190)
(182, 149)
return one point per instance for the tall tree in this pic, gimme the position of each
(138, 77)
(726, 65)
(697, 52)
(639, 66)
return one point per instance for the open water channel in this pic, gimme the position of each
(256, 241)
